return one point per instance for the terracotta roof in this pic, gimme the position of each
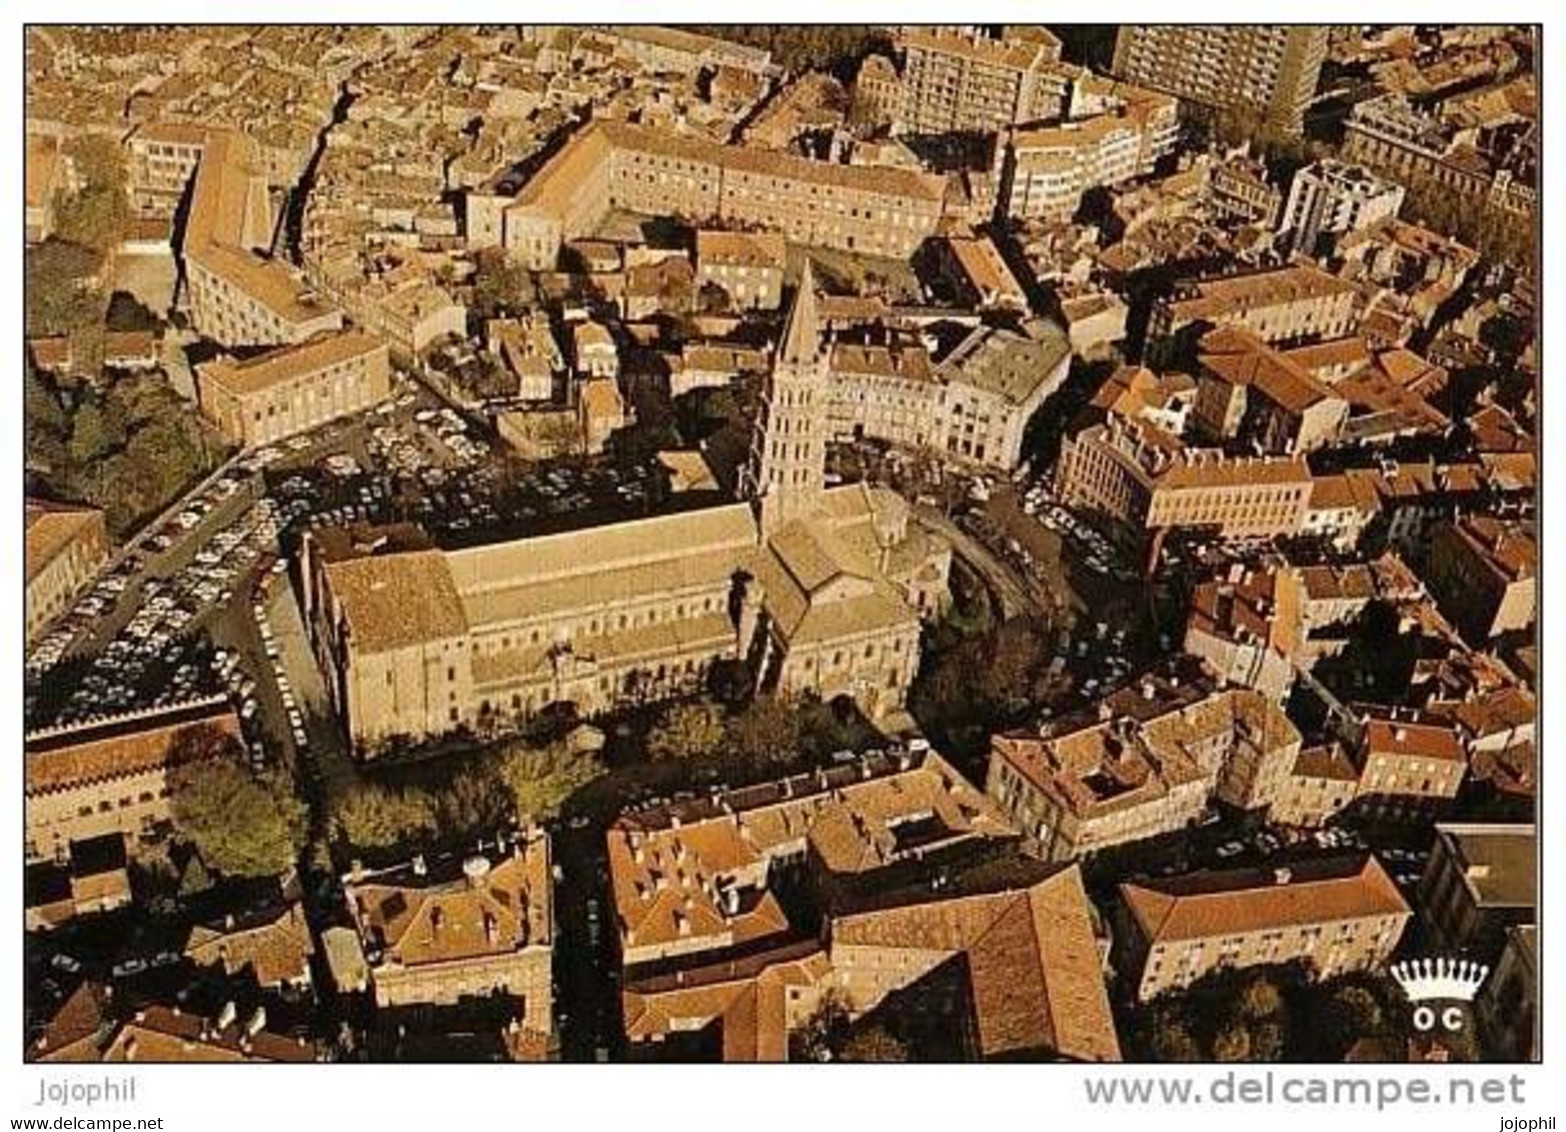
(1409, 739)
(1508, 548)
(1241, 358)
(748, 249)
(118, 748)
(166, 1034)
(1207, 905)
(1035, 974)
(290, 362)
(76, 1028)
(275, 946)
(744, 998)
(50, 529)
(456, 909)
(397, 600)
(1326, 760)
(693, 871)
(1221, 297)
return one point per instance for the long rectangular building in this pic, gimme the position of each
(1336, 914)
(111, 776)
(292, 389)
(617, 165)
(237, 297)
(1113, 132)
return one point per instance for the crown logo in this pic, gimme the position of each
(1425, 979)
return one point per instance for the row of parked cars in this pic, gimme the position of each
(1097, 553)
(157, 658)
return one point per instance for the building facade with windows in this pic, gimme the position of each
(1336, 915)
(293, 389)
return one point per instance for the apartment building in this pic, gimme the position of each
(1113, 132)
(111, 775)
(1337, 915)
(64, 546)
(1240, 191)
(1331, 198)
(888, 391)
(530, 350)
(1410, 769)
(1247, 627)
(90, 1026)
(238, 297)
(1246, 391)
(1148, 765)
(745, 266)
(995, 380)
(977, 272)
(95, 878)
(1140, 476)
(290, 390)
(878, 210)
(1481, 881)
(1266, 70)
(435, 931)
(1282, 306)
(974, 405)
(160, 161)
(1322, 783)
(270, 945)
(1483, 574)
(959, 81)
(1391, 135)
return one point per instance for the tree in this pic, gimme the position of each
(95, 215)
(766, 730)
(538, 780)
(240, 824)
(1261, 998)
(500, 285)
(1350, 1013)
(97, 428)
(195, 879)
(1232, 1043)
(820, 1035)
(1171, 1040)
(873, 1044)
(687, 731)
(58, 300)
(473, 802)
(372, 816)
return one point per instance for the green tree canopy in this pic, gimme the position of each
(874, 1043)
(766, 730)
(687, 731)
(241, 824)
(538, 780)
(372, 816)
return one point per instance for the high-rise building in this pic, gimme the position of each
(1333, 198)
(956, 81)
(1268, 68)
